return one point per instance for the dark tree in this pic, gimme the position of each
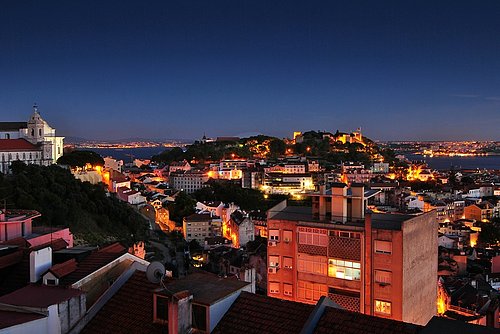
(81, 158)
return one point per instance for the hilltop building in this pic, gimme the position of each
(32, 142)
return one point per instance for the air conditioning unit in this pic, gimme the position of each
(272, 270)
(272, 243)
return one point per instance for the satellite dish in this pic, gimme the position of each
(155, 272)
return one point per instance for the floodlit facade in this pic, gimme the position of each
(376, 264)
(32, 142)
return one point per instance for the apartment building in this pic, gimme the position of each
(199, 226)
(188, 181)
(481, 211)
(376, 264)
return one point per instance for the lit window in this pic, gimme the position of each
(382, 307)
(287, 236)
(274, 235)
(382, 276)
(287, 289)
(383, 247)
(274, 261)
(342, 269)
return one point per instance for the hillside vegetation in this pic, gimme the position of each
(62, 200)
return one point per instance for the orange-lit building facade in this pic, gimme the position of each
(381, 264)
(479, 212)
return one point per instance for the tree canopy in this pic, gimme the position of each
(81, 158)
(67, 202)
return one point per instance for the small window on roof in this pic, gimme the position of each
(51, 281)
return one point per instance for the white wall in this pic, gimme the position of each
(40, 262)
(217, 311)
(54, 324)
(9, 135)
(39, 326)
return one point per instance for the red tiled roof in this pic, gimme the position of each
(20, 241)
(39, 296)
(11, 259)
(130, 310)
(10, 318)
(336, 320)
(206, 288)
(63, 269)
(255, 314)
(197, 217)
(17, 145)
(16, 276)
(94, 262)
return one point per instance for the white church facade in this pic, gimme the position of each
(32, 142)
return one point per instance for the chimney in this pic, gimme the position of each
(40, 262)
(357, 201)
(173, 310)
(339, 202)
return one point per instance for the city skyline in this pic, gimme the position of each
(400, 71)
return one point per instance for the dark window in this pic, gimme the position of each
(199, 317)
(161, 308)
(51, 282)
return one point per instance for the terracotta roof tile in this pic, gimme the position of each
(129, 311)
(94, 262)
(17, 145)
(11, 259)
(347, 322)
(62, 269)
(255, 314)
(39, 296)
(16, 276)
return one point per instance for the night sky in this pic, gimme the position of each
(176, 69)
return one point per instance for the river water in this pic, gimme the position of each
(128, 154)
(439, 163)
(445, 163)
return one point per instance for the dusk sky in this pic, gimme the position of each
(177, 69)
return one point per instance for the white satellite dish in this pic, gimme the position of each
(155, 272)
